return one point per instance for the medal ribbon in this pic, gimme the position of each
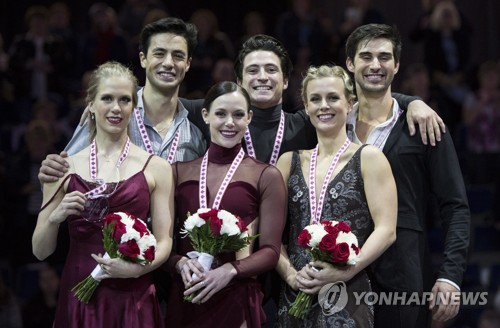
(316, 209)
(277, 141)
(229, 175)
(147, 141)
(96, 192)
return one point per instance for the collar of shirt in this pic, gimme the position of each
(160, 145)
(378, 136)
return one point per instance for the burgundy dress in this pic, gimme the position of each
(256, 191)
(116, 302)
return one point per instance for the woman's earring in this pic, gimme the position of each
(92, 116)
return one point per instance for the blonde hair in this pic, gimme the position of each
(324, 71)
(105, 71)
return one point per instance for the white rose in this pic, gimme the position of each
(350, 239)
(226, 216)
(130, 234)
(229, 228)
(126, 220)
(146, 242)
(193, 221)
(317, 233)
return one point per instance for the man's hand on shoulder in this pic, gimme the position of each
(429, 123)
(53, 167)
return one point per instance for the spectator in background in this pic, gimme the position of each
(254, 23)
(213, 45)
(131, 18)
(25, 197)
(303, 37)
(60, 26)
(223, 71)
(105, 41)
(38, 61)
(10, 312)
(481, 112)
(446, 40)
(417, 82)
(481, 119)
(357, 13)
(40, 311)
(7, 109)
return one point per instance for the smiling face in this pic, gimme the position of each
(228, 117)
(326, 104)
(113, 105)
(263, 79)
(166, 61)
(374, 66)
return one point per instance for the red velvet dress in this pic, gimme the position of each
(116, 302)
(256, 191)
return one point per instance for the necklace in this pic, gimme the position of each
(93, 168)
(163, 128)
(147, 141)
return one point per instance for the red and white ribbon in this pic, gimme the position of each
(277, 142)
(147, 141)
(317, 208)
(94, 193)
(229, 175)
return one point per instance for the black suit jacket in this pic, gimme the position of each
(420, 170)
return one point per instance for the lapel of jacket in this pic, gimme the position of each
(395, 134)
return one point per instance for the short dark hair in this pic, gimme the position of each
(265, 43)
(169, 25)
(368, 32)
(222, 88)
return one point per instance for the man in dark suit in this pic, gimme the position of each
(373, 54)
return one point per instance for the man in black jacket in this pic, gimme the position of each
(373, 56)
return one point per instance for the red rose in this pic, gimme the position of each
(355, 249)
(149, 254)
(344, 227)
(129, 249)
(112, 217)
(332, 230)
(119, 228)
(140, 227)
(340, 254)
(210, 214)
(241, 224)
(327, 243)
(215, 225)
(304, 238)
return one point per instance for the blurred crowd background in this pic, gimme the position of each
(451, 59)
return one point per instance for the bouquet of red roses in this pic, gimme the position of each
(212, 232)
(328, 241)
(125, 236)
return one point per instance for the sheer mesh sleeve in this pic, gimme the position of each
(271, 224)
(174, 257)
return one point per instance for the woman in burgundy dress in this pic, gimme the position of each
(229, 295)
(136, 183)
